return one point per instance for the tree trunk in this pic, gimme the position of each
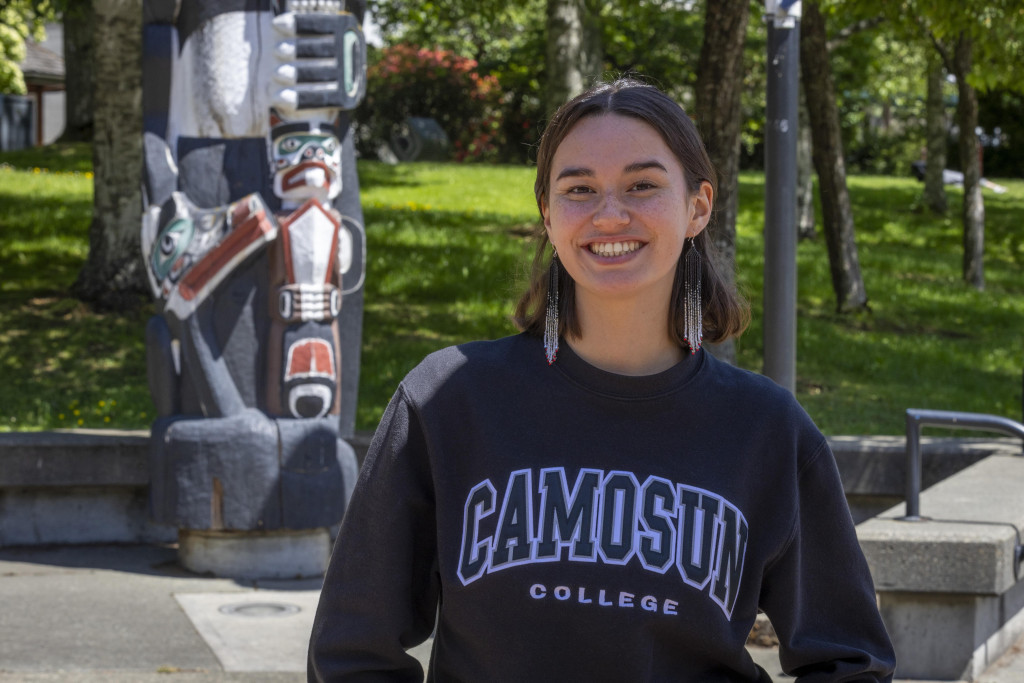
(113, 276)
(970, 163)
(575, 54)
(804, 174)
(837, 215)
(719, 117)
(78, 66)
(934, 188)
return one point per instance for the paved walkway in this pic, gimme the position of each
(129, 614)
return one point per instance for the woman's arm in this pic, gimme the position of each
(818, 593)
(381, 589)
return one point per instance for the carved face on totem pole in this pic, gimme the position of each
(306, 160)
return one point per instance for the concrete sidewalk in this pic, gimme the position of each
(129, 614)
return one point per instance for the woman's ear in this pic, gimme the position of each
(545, 211)
(701, 203)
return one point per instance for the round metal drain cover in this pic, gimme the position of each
(260, 609)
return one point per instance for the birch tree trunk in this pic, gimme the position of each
(78, 62)
(804, 173)
(935, 117)
(719, 118)
(837, 214)
(575, 54)
(113, 275)
(970, 164)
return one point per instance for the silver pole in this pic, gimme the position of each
(780, 231)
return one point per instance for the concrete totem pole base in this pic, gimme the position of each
(284, 554)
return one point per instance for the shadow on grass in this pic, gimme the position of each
(75, 157)
(379, 174)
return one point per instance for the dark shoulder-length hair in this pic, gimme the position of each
(726, 314)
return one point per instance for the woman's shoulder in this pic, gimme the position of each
(470, 362)
(751, 394)
(741, 381)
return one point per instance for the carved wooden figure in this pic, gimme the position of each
(253, 237)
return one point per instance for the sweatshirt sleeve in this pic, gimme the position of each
(381, 588)
(818, 592)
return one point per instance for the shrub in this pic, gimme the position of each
(409, 81)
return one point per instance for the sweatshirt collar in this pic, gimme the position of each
(615, 385)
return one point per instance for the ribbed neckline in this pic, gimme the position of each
(615, 385)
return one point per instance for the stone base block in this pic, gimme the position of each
(943, 636)
(255, 554)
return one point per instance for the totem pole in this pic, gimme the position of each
(255, 249)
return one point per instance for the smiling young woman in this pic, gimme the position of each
(656, 146)
(598, 498)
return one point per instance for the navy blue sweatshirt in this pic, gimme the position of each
(562, 523)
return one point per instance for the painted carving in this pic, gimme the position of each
(254, 244)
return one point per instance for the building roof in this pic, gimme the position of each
(42, 65)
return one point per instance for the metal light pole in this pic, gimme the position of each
(780, 230)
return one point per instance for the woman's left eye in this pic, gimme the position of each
(643, 185)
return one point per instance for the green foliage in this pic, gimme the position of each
(19, 20)
(657, 39)
(995, 28)
(407, 81)
(505, 39)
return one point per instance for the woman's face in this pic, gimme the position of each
(618, 209)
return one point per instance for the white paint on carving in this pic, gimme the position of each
(219, 87)
(311, 236)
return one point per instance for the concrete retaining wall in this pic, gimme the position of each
(82, 486)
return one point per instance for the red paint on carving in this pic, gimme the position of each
(310, 358)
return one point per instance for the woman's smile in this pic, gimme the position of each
(613, 249)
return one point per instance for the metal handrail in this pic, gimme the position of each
(917, 418)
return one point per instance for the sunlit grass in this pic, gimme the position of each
(447, 251)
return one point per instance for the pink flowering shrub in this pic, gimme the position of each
(410, 81)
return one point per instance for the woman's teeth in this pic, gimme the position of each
(614, 248)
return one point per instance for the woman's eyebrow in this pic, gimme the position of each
(575, 172)
(644, 165)
(635, 167)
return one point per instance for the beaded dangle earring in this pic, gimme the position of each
(693, 316)
(551, 318)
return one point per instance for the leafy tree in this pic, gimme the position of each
(827, 154)
(19, 20)
(656, 39)
(981, 44)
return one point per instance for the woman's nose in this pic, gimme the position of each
(611, 213)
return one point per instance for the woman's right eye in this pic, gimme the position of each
(579, 189)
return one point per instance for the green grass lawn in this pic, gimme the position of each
(448, 250)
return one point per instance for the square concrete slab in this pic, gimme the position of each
(254, 631)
